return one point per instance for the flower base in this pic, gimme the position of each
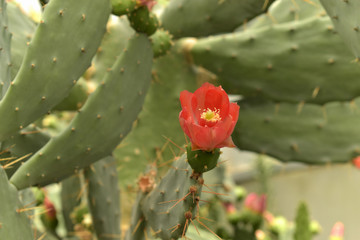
(202, 161)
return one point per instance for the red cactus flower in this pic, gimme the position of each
(256, 203)
(149, 3)
(208, 118)
(50, 209)
(356, 162)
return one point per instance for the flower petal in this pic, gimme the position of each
(221, 132)
(185, 119)
(201, 137)
(227, 143)
(185, 100)
(210, 97)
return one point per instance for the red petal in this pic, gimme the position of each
(221, 132)
(227, 143)
(234, 111)
(185, 119)
(185, 100)
(201, 137)
(209, 96)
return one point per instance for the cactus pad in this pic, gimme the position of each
(104, 198)
(82, 143)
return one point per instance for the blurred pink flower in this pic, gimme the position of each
(337, 231)
(256, 203)
(149, 3)
(230, 208)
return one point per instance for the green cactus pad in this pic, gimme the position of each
(307, 133)
(53, 62)
(22, 29)
(138, 224)
(138, 229)
(345, 16)
(104, 198)
(171, 75)
(173, 202)
(121, 7)
(71, 189)
(13, 223)
(285, 11)
(82, 143)
(76, 98)
(4, 49)
(292, 62)
(22, 144)
(161, 42)
(114, 42)
(143, 21)
(189, 18)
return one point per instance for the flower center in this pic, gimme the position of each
(211, 115)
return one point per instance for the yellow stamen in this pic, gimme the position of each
(211, 115)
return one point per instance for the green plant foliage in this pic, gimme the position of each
(345, 16)
(77, 147)
(14, 224)
(188, 18)
(302, 221)
(306, 133)
(159, 119)
(291, 62)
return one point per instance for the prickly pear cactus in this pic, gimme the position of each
(345, 17)
(241, 70)
(19, 147)
(5, 62)
(208, 17)
(52, 80)
(71, 195)
(53, 162)
(171, 207)
(104, 198)
(14, 221)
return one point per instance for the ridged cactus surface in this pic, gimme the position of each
(22, 145)
(305, 133)
(345, 16)
(5, 61)
(50, 69)
(82, 143)
(291, 62)
(22, 29)
(14, 221)
(104, 198)
(70, 196)
(171, 207)
(187, 18)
